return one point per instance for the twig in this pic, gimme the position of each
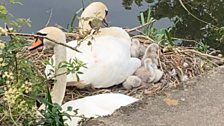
(139, 27)
(39, 36)
(2, 118)
(160, 63)
(188, 40)
(61, 27)
(83, 6)
(185, 8)
(16, 63)
(144, 37)
(73, 35)
(49, 19)
(60, 74)
(206, 55)
(135, 89)
(73, 18)
(10, 114)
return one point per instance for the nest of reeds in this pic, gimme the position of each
(178, 64)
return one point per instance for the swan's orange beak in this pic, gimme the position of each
(37, 43)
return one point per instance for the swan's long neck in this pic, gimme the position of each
(58, 90)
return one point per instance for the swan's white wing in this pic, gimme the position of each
(108, 61)
(97, 105)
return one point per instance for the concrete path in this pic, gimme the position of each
(201, 103)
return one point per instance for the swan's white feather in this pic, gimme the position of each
(97, 105)
(107, 59)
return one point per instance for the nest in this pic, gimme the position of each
(178, 64)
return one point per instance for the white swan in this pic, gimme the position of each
(108, 58)
(97, 105)
(94, 11)
(91, 106)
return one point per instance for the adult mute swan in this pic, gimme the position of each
(108, 57)
(93, 14)
(90, 106)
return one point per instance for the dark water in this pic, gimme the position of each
(210, 11)
(125, 13)
(63, 10)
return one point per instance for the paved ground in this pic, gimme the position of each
(201, 103)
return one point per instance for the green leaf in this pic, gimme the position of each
(79, 72)
(23, 21)
(77, 76)
(76, 111)
(15, 2)
(50, 106)
(149, 18)
(67, 115)
(142, 19)
(69, 108)
(169, 37)
(3, 10)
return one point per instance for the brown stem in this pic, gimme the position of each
(39, 36)
(16, 63)
(139, 27)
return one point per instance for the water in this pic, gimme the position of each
(125, 13)
(187, 27)
(63, 10)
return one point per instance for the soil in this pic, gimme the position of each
(199, 103)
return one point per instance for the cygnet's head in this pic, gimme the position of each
(152, 48)
(96, 10)
(51, 33)
(148, 63)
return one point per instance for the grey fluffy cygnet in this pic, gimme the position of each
(152, 53)
(132, 82)
(146, 72)
(149, 71)
(137, 49)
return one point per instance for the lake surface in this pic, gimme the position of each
(125, 13)
(63, 10)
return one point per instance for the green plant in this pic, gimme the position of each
(18, 78)
(19, 81)
(21, 84)
(162, 36)
(202, 47)
(73, 66)
(5, 16)
(52, 114)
